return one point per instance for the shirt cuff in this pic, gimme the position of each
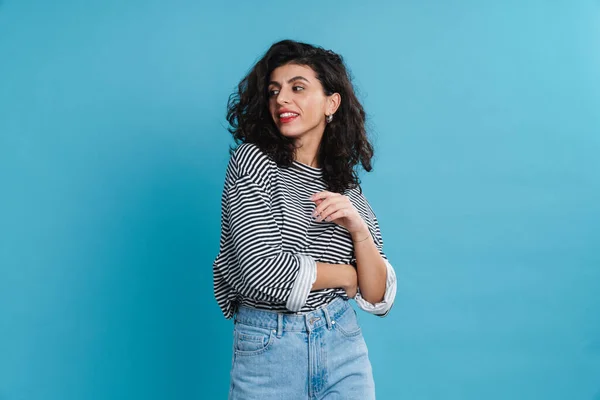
(307, 274)
(382, 308)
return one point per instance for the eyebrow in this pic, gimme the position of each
(296, 78)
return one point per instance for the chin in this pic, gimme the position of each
(290, 132)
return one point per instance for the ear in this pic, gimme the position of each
(333, 103)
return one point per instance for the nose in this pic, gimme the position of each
(283, 97)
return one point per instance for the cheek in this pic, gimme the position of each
(314, 107)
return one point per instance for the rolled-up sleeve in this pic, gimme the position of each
(382, 308)
(307, 275)
(264, 271)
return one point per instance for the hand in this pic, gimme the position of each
(351, 292)
(337, 208)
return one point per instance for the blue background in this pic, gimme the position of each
(486, 122)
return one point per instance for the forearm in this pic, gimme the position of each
(259, 279)
(370, 266)
(334, 276)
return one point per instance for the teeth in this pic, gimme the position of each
(288, 114)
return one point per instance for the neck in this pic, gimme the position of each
(307, 149)
(308, 160)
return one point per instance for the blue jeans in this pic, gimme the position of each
(318, 355)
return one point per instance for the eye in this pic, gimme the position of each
(273, 92)
(298, 88)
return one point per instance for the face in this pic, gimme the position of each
(297, 102)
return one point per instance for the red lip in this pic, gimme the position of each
(286, 119)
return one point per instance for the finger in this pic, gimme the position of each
(342, 212)
(324, 204)
(341, 200)
(321, 195)
(328, 207)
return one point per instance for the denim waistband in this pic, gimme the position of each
(307, 322)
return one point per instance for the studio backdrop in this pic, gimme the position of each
(485, 117)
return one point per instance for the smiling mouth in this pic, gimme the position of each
(287, 117)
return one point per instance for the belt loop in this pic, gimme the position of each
(279, 324)
(327, 318)
(306, 323)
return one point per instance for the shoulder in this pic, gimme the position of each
(249, 157)
(249, 160)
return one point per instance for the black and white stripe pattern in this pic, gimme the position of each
(270, 243)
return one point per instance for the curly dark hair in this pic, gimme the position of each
(344, 143)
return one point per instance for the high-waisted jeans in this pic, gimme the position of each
(317, 355)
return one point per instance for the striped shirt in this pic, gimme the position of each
(270, 243)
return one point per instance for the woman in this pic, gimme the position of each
(299, 239)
